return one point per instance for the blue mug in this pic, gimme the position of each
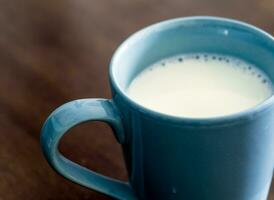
(176, 158)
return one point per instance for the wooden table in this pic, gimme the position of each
(55, 51)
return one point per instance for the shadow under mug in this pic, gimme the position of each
(175, 158)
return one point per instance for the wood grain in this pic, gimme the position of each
(55, 51)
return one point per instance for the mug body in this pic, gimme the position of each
(175, 158)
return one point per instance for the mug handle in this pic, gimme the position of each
(69, 115)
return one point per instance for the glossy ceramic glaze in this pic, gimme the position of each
(173, 158)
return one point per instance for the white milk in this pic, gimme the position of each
(200, 86)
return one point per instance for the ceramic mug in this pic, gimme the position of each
(176, 158)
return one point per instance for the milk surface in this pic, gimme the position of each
(200, 86)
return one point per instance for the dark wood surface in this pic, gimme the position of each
(55, 51)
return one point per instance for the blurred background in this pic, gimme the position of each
(52, 52)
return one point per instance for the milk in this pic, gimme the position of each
(200, 86)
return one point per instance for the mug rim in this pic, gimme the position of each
(237, 117)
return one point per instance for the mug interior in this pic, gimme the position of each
(191, 35)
